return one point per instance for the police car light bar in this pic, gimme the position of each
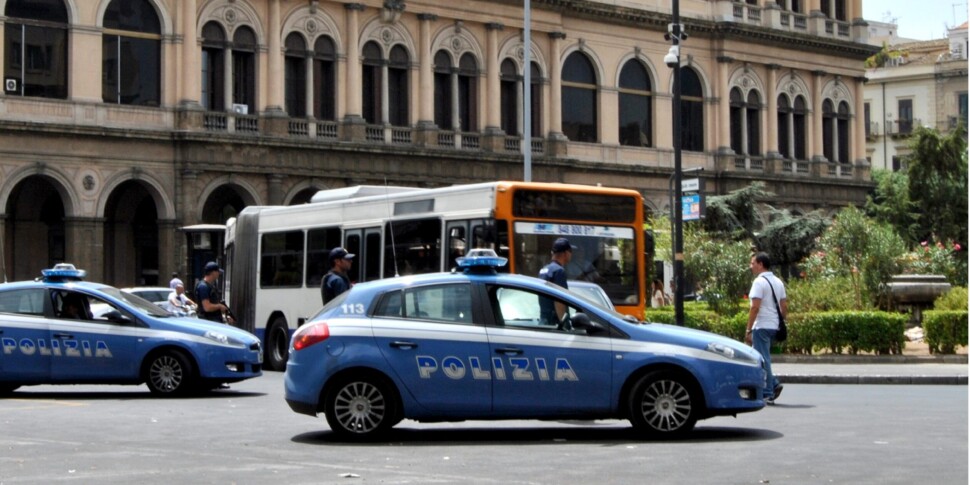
(63, 272)
(481, 259)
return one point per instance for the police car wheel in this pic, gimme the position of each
(277, 345)
(169, 374)
(663, 403)
(361, 407)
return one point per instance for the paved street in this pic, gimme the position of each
(816, 434)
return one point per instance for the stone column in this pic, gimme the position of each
(308, 68)
(170, 254)
(426, 133)
(772, 151)
(493, 139)
(862, 165)
(274, 184)
(191, 69)
(84, 243)
(723, 106)
(817, 146)
(353, 122)
(227, 79)
(274, 98)
(557, 141)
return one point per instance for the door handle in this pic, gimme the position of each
(63, 335)
(398, 344)
(508, 351)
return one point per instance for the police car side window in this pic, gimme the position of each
(444, 303)
(23, 302)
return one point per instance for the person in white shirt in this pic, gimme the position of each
(178, 302)
(768, 299)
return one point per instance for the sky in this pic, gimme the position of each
(918, 19)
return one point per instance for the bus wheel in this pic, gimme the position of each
(277, 345)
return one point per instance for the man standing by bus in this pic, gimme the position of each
(336, 280)
(551, 312)
(209, 296)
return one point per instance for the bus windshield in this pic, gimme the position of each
(605, 255)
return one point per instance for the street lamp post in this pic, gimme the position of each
(675, 33)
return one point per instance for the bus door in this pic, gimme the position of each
(366, 245)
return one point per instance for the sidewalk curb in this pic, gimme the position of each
(849, 379)
(869, 359)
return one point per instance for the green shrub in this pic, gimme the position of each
(945, 330)
(733, 327)
(699, 319)
(820, 294)
(955, 299)
(854, 332)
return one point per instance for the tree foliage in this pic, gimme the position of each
(735, 215)
(788, 239)
(720, 267)
(937, 174)
(889, 203)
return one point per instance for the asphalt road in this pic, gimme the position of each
(815, 434)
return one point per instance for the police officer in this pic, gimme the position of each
(552, 312)
(211, 306)
(336, 280)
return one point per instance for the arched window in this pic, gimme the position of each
(456, 92)
(397, 87)
(294, 74)
(842, 129)
(579, 99)
(785, 137)
(753, 123)
(244, 68)
(799, 128)
(828, 130)
(443, 91)
(371, 80)
(636, 106)
(385, 85)
(213, 67)
(324, 81)
(131, 54)
(512, 98)
(691, 111)
(35, 63)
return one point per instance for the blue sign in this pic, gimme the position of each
(691, 207)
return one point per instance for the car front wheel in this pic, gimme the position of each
(169, 374)
(361, 408)
(663, 403)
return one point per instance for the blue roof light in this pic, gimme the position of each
(63, 272)
(481, 259)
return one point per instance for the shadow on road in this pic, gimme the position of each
(136, 393)
(609, 434)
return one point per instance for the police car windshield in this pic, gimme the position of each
(136, 302)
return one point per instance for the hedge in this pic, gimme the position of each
(839, 332)
(945, 330)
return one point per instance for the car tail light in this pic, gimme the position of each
(310, 335)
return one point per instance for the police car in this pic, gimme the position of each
(473, 345)
(50, 335)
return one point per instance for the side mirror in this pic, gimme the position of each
(581, 321)
(116, 316)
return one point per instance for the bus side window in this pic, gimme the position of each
(318, 245)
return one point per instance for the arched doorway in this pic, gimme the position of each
(223, 203)
(131, 237)
(34, 236)
(303, 196)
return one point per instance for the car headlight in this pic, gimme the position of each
(222, 338)
(732, 353)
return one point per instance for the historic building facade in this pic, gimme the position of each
(122, 121)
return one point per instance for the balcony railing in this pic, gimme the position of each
(841, 170)
(749, 163)
(872, 130)
(514, 144)
(796, 167)
(902, 128)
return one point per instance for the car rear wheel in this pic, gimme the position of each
(361, 408)
(170, 373)
(664, 403)
(277, 345)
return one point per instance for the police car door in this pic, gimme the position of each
(429, 338)
(25, 354)
(91, 345)
(540, 369)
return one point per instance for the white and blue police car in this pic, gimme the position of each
(474, 345)
(60, 329)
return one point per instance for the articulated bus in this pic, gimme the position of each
(276, 256)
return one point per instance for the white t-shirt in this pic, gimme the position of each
(768, 312)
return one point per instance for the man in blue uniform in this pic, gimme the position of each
(336, 280)
(211, 306)
(552, 312)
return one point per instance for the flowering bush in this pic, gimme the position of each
(949, 260)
